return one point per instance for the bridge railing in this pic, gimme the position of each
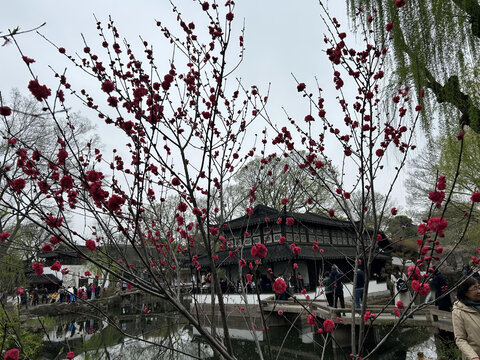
(425, 316)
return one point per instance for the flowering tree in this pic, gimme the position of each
(25, 124)
(366, 136)
(434, 62)
(182, 136)
(183, 131)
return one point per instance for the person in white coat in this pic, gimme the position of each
(400, 288)
(466, 319)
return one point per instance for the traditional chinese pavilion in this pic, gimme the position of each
(335, 239)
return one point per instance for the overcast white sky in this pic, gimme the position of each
(282, 37)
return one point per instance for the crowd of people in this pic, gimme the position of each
(36, 296)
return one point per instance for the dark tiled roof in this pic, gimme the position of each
(43, 279)
(260, 212)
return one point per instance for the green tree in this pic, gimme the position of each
(401, 226)
(435, 46)
(441, 158)
(12, 274)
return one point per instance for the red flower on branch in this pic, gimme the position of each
(90, 245)
(328, 326)
(12, 354)
(108, 86)
(18, 185)
(4, 236)
(414, 272)
(38, 268)
(475, 197)
(47, 248)
(53, 222)
(5, 111)
(56, 266)
(437, 197)
(437, 224)
(441, 183)
(312, 319)
(182, 207)
(379, 152)
(66, 182)
(62, 156)
(115, 202)
(422, 229)
(295, 249)
(422, 289)
(368, 316)
(28, 60)
(279, 286)
(259, 250)
(41, 92)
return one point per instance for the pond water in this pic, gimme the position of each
(92, 337)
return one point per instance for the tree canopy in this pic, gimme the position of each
(435, 46)
(275, 179)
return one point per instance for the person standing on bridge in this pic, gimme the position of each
(440, 286)
(359, 287)
(401, 291)
(466, 319)
(336, 275)
(328, 284)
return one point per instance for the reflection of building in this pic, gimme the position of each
(336, 241)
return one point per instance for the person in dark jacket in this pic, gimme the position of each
(359, 287)
(439, 285)
(336, 275)
(328, 284)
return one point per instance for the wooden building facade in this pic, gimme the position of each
(322, 241)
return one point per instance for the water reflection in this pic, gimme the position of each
(170, 337)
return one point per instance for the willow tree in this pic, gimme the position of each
(435, 48)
